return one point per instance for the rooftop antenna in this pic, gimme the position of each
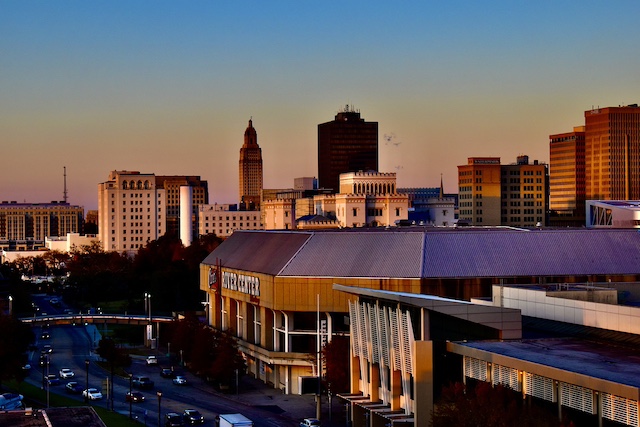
(65, 184)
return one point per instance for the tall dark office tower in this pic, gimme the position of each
(250, 170)
(347, 144)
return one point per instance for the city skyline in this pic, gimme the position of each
(167, 88)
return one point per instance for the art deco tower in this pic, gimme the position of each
(250, 170)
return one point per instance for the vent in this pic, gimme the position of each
(539, 386)
(475, 368)
(619, 409)
(577, 397)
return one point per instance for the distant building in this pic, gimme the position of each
(305, 183)
(612, 153)
(131, 211)
(347, 144)
(250, 166)
(199, 196)
(513, 195)
(223, 220)
(69, 242)
(567, 178)
(25, 226)
(431, 206)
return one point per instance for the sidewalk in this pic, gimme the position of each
(290, 407)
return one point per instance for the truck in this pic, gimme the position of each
(234, 420)
(11, 401)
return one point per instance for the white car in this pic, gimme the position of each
(66, 373)
(180, 380)
(92, 394)
(152, 360)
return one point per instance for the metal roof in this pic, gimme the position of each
(432, 253)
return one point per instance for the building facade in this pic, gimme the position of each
(199, 196)
(25, 226)
(131, 211)
(612, 153)
(250, 167)
(270, 287)
(514, 195)
(567, 178)
(346, 144)
(223, 220)
(479, 187)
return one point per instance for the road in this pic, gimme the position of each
(72, 348)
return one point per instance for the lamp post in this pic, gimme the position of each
(159, 393)
(86, 394)
(10, 305)
(130, 397)
(147, 307)
(48, 383)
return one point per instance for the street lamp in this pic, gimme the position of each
(86, 394)
(10, 305)
(130, 397)
(159, 393)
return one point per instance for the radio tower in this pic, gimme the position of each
(65, 185)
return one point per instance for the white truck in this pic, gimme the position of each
(234, 420)
(11, 401)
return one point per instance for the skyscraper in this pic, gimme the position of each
(347, 144)
(250, 184)
(566, 178)
(612, 153)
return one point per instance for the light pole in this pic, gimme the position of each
(10, 305)
(130, 397)
(159, 393)
(86, 393)
(147, 307)
(48, 383)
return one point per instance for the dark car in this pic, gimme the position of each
(134, 397)
(52, 379)
(167, 373)
(192, 417)
(142, 382)
(45, 336)
(73, 387)
(173, 419)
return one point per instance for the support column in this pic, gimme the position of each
(354, 365)
(374, 385)
(423, 382)
(396, 389)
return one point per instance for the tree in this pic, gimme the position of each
(114, 356)
(15, 338)
(335, 356)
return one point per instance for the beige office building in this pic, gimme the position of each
(131, 211)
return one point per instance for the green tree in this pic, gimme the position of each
(15, 338)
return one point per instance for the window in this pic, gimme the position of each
(397, 211)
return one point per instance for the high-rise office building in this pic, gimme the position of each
(567, 178)
(131, 211)
(612, 153)
(347, 144)
(509, 195)
(250, 183)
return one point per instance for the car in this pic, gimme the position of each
(26, 367)
(180, 380)
(310, 422)
(66, 373)
(173, 419)
(44, 359)
(92, 394)
(54, 302)
(45, 336)
(192, 417)
(134, 396)
(167, 373)
(52, 379)
(152, 360)
(142, 381)
(46, 349)
(73, 387)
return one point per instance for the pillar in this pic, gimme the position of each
(423, 382)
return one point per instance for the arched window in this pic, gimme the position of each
(139, 187)
(124, 185)
(132, 185)
(146, 185)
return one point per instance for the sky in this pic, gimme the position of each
(168, 87)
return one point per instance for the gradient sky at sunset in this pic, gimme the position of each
(168, 87)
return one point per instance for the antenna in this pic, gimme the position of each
(65, 185)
